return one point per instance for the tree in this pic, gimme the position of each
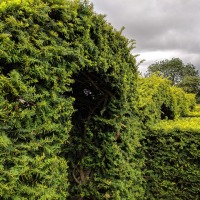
(174, 69)
(190, 84)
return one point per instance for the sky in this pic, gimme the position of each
(163, 29)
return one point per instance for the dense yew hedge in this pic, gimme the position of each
(68, 90)
(183, 102)
(170, 144)
(158, 100)
(155, 100)
(172, 169)
(75, 118)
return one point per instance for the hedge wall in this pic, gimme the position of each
(183, 102)
(172, 160)
(158, 100)
(191, 101)
(72, 111)
(68, 96)
(195, 112)
(170, 143)
(155, 100)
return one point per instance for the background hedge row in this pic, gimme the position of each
(158, 100)
(172, 160)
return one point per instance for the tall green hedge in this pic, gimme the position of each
(191, 101)
(72, 111)
(68, 96)
(170, 143)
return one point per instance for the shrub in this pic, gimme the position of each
(159, 100)
(155, 99)
(68, 97)
(180, 102)
(191, 101)
(172, 160)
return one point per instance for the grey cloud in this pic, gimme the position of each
(157, 25)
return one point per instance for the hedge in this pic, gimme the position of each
(172, 160)
(76, 121)
(183, 102)
(170, 143)
(68, 97)
(155, 99)
(158, 100)
(191, 101)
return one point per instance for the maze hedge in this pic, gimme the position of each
(67, 101)
(172, 168)
(183, 102)
(158, 100)
(170, 143)
(155, 99)
(76, 121)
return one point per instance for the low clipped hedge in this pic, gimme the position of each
(67, 104)
(172, 160)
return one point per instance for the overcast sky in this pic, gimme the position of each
(162, 28)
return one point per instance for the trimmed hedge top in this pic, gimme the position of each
(184, 124)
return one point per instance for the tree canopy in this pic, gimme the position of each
(190, 84)
(174, 70)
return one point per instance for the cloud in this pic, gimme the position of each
(168, 27)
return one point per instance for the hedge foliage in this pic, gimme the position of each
(75, 118)
(195, 112)
(68, 93)
(159, 100)
(172, 160)
(191, 101)
(183, 102)
(170, 143)
(155, 99)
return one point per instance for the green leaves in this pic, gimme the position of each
(47, 153)
(174, 70)
(159, 100)
(172, 154)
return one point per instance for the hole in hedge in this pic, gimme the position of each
(92, 95)
(166, 112)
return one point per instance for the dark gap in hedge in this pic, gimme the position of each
(92, 95)
(8, 67)
(166, 112)
(56, 14)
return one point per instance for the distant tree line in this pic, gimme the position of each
(185, 76)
